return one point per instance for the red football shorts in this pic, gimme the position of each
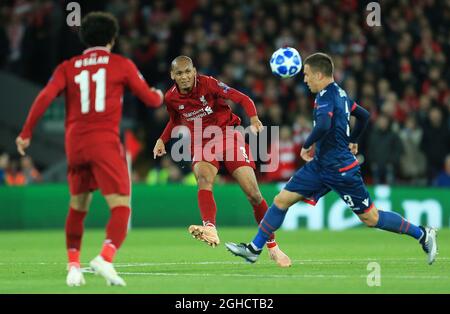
(234, 152)
(102, 166)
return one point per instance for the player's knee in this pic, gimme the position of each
(255, 197)
(205, 182)
(281, 202)
(370, 220)
(116, 200)
(78, 206)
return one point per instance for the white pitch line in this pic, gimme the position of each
(278, 276)
(300, 262)
(228, 275)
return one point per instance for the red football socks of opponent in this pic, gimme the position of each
(116, 231)
(259, 211)
(74, 234)
(207, 206)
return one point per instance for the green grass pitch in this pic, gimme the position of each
(170, 261)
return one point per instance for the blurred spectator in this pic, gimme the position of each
(4, 164)
(168, 172)
(14, 175)
(435, 142)
(399, 70)
(301, 130)
(302, 127)
(384, 151)
(287, 156)
(443, 178)
(412, 160)
(30, 172)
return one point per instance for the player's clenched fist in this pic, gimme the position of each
(353, 148)
(256, 125)
(22, 144)
(159, 92)
(159, 149)
(306, 154)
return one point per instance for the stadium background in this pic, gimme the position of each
(398, 71)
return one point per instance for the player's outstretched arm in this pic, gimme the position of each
(150, 96)
(323, 124)
(56, 84)
(173, 122)
(224, 91)
(362, 120)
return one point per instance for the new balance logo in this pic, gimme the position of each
(366, 202)
(208, 110)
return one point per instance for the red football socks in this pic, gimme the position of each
(108, 252)
(74, 228)
(73, 256)
(74, 233)
(259, 211)
(116, 231)
(271, 243)
(207, 207)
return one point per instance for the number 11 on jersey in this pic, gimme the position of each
(99, 78)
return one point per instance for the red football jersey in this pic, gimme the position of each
(206, 101)
(93, 84)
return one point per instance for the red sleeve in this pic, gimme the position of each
(173, 122)
(353, 106)
(55, 86)
(165, 136)
(224, 91)
(138, 86)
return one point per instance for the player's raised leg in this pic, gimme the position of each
(116, 231)
(205, 173)
(273, 219)
(79, 206)
(393, 222)
(353, 191)
(245, 176)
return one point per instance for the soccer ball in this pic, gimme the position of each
(286, 62)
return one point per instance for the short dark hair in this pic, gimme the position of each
(98, 29)
(321, 62)
(180, 59)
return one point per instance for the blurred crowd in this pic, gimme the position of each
(18, 171)
(399, 71)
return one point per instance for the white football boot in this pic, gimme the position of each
(429, 243)
(246, 251)
(75, 277)
(107, 271)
